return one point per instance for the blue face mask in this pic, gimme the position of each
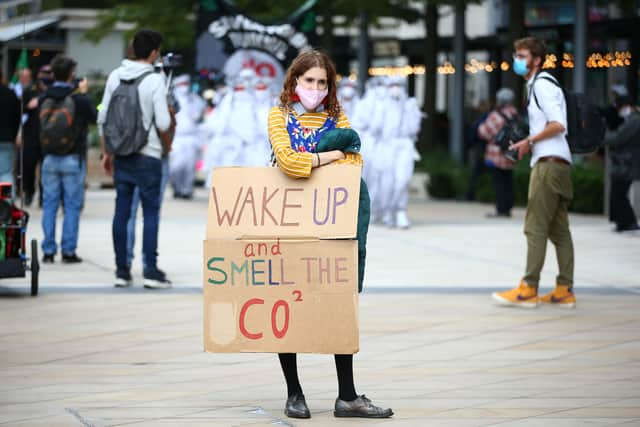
(520, 66)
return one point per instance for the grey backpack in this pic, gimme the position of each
(123, 130)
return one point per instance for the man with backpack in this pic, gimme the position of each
(550, 187)
(64, 118)
(134, 123)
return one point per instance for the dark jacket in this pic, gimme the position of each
(347, 140)
(624, 156)
(31, 127)
(9, 115)
(85, 114)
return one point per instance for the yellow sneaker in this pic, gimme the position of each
(522, 296)
(561, 296)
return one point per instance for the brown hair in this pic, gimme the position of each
(533, 45)
(306, 60)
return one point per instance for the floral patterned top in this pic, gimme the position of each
(304, 139)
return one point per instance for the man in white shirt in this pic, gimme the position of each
(550, 187)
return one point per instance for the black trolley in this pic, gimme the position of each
(14, 261)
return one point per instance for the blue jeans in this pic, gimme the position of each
(62, 176)
(7, 153)
(145, 173)
(131, 224)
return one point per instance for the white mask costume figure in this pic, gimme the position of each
(397, 153)
(233, 126)
(186, 143)
(348, 96)
(259, 151)
(369, 109)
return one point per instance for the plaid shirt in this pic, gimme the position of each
(488, 131)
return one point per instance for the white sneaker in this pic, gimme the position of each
(402, 221)
(156, 280)
(122, 283)
(387, 219)
(157, 284)
(123, 280)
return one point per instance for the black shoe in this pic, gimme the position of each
(71, 258)
(623, 228)
(296, 407)
(123, 279)
(156, 279)
(28, 199)
(361, 407)
(498, 215)
(48, 258)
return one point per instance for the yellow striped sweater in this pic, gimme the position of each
(293, 163)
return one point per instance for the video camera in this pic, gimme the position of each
(168, 63)
(170, 60)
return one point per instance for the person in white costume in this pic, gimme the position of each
(186, 144)
(258, 150)
(348, 96)
(396, 152)
(368, 109)
(233, 125)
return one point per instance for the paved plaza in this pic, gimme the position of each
(433, 346)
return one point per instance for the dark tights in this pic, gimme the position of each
(344, 369)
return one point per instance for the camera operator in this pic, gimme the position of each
(550, 188)
(141, 169)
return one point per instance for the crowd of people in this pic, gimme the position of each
(185, 132)
(49, 130)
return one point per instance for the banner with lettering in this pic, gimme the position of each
(228, 40)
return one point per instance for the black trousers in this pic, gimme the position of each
(344, 369)
(620, 210)
(503, 186)
(478, 169)
(31, 157)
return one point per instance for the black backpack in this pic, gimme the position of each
(586, 126)
(123, 130)
(57, 133)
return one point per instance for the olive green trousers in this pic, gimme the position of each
(550, 193)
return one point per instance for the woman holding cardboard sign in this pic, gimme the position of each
(309, 110)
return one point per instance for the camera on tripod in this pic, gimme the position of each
(170, 60)
(168, 63)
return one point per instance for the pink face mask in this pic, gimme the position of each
(311, 98)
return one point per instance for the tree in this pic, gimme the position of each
(174, 19)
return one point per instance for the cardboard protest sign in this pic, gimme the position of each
(280, 296)
(276, 279)
(264, 202)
